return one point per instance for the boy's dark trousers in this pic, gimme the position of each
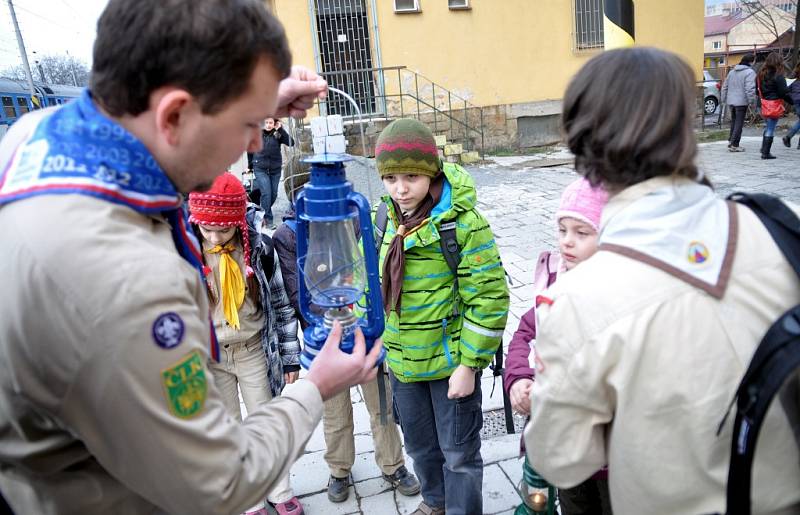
(442, 436)
(737, 122)
(268, 182)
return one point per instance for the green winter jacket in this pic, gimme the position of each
(431, 338)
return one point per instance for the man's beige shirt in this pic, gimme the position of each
(87, 420)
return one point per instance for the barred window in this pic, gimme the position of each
(589, 24)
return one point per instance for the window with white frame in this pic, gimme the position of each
(406, 6)
(458, 4)
(588, 24)
(716, 45)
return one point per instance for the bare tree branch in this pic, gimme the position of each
(57, 69)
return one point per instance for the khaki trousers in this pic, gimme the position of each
(245, 365)
(337, 421)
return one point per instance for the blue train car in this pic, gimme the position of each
(16, 98)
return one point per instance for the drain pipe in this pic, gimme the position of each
(312, 16)
(378, 59)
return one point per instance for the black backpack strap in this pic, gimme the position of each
(777, 356)
(452, 255)
(450, 247)
(268, 257)
(381, 220)
(781, 222)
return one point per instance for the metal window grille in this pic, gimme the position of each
(589, 24)
(406, 5)
(346, 54)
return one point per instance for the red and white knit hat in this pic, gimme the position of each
(583, 202)
(224, 205)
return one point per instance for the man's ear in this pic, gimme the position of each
(173, 109)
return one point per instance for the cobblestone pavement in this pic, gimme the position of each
(519, 197)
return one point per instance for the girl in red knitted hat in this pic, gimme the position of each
(255, 323)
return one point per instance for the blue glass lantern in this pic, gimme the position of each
(333, 273)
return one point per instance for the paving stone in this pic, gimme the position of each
(317, 440)
(379, 504)
(405, 504)
(500, 449)
(309, 474)
(498, 492)
(513, 469)
(365, 467)
(372, 487)
(360, 418)
(364, 442)
(319, 504)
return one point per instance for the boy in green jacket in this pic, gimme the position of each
(440, 333)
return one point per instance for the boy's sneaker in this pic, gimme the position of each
(736, 149)
(403, 481)
(338, 488)
(424, 509)
(290, 507)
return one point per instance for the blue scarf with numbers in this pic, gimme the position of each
(77, 150)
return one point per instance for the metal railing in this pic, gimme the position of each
(397, 92)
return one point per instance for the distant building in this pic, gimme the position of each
(728, 37)
(732, 8)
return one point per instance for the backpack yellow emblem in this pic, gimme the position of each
(186, 386)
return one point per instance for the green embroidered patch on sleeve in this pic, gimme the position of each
(185, 385)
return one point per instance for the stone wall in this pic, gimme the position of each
(510, 126)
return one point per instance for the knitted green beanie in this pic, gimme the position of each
(406, 146)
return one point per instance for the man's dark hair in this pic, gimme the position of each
(623, 132)
(207, 47)
(748, 59)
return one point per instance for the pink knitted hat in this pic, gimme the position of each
(583, 202)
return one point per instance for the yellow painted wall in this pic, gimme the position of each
(502, 51)
(296, 19)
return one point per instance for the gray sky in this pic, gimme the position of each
(49, 27)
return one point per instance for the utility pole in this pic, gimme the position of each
(24, 55)
(72, 69)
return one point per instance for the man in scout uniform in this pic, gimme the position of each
(106, 404)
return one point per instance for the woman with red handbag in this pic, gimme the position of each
(772, 91)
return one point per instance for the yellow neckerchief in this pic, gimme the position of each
(231, 283)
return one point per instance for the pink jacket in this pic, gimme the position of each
(517, 366)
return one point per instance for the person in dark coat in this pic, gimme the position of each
(267, 164)
(794, 92)
(771, 86)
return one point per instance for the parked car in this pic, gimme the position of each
(711, 93)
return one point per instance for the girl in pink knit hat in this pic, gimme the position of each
(578, 222)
